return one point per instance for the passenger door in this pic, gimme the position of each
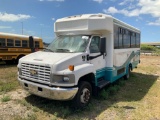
(96, 58)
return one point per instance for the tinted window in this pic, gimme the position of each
(2, 42)
(137, 40)
(17, 43)
(133, 39)
(126, 39)
(123, 38)
(120, 36)
(10, 43)
(115, 36)
(24, 43)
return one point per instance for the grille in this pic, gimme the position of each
(36, 72)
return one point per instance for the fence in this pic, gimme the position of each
(149, 52)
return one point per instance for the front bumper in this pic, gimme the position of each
(54, 93)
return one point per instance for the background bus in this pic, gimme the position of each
(14, 46)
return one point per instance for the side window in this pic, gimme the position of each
(94, 46)
(24, 43)
(126, 39)
(116, 36)
(2, 42)
(36, 44)
(120, 36)
(133, 39)
(137, 40)
(17, 43)
(10, 43)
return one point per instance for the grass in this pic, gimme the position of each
(134, 99)
(8, 78)
(2, 63)
(6, 87)
(5, 98)
(29, 117)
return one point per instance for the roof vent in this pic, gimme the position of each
(74, 16)
(99, 15)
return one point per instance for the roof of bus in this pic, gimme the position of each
(98, 15)
(16, 35)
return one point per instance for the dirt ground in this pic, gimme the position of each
(18, 107)
(10, 109)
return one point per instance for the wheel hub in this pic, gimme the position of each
(85, 95)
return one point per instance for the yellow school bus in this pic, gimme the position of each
(14, 46)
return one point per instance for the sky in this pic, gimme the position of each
(37, 17)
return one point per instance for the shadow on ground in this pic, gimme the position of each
(134, 89)
(3, 65)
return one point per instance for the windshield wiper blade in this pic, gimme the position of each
(49, 50)
(64, 50)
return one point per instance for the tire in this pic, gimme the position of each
(126, 77)
(83, 96)
(17, 60)
(9, 62)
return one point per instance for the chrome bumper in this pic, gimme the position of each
(54, 93)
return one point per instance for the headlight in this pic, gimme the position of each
(19, 71)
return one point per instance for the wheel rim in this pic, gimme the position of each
(85, 95)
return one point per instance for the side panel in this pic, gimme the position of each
(121, 56)
(124, 57)
(121, 60)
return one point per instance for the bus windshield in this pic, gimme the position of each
(68, 43)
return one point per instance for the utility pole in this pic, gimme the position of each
(22, 28)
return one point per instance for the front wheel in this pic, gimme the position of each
(83, 95)
(17, 60)
(9, 62)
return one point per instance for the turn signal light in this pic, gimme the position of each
(71, 67)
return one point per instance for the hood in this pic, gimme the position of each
(45, 57)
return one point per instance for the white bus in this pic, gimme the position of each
(89, 52)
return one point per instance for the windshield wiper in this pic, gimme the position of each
(49, 49)
(63, 50)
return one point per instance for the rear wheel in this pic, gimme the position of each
(83, 95)
(126, 77)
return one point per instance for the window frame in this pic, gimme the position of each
(26, 44)
(35, 44)
(3, 44)
(15, 44)
(10, 39)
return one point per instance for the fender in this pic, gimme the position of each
(81, 70)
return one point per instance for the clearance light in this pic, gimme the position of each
(71, 67)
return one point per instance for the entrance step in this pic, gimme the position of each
(102, 83)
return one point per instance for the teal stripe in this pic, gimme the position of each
(100, 73)
(110, 74)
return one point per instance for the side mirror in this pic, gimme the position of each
(102, 45)
(31, 43)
